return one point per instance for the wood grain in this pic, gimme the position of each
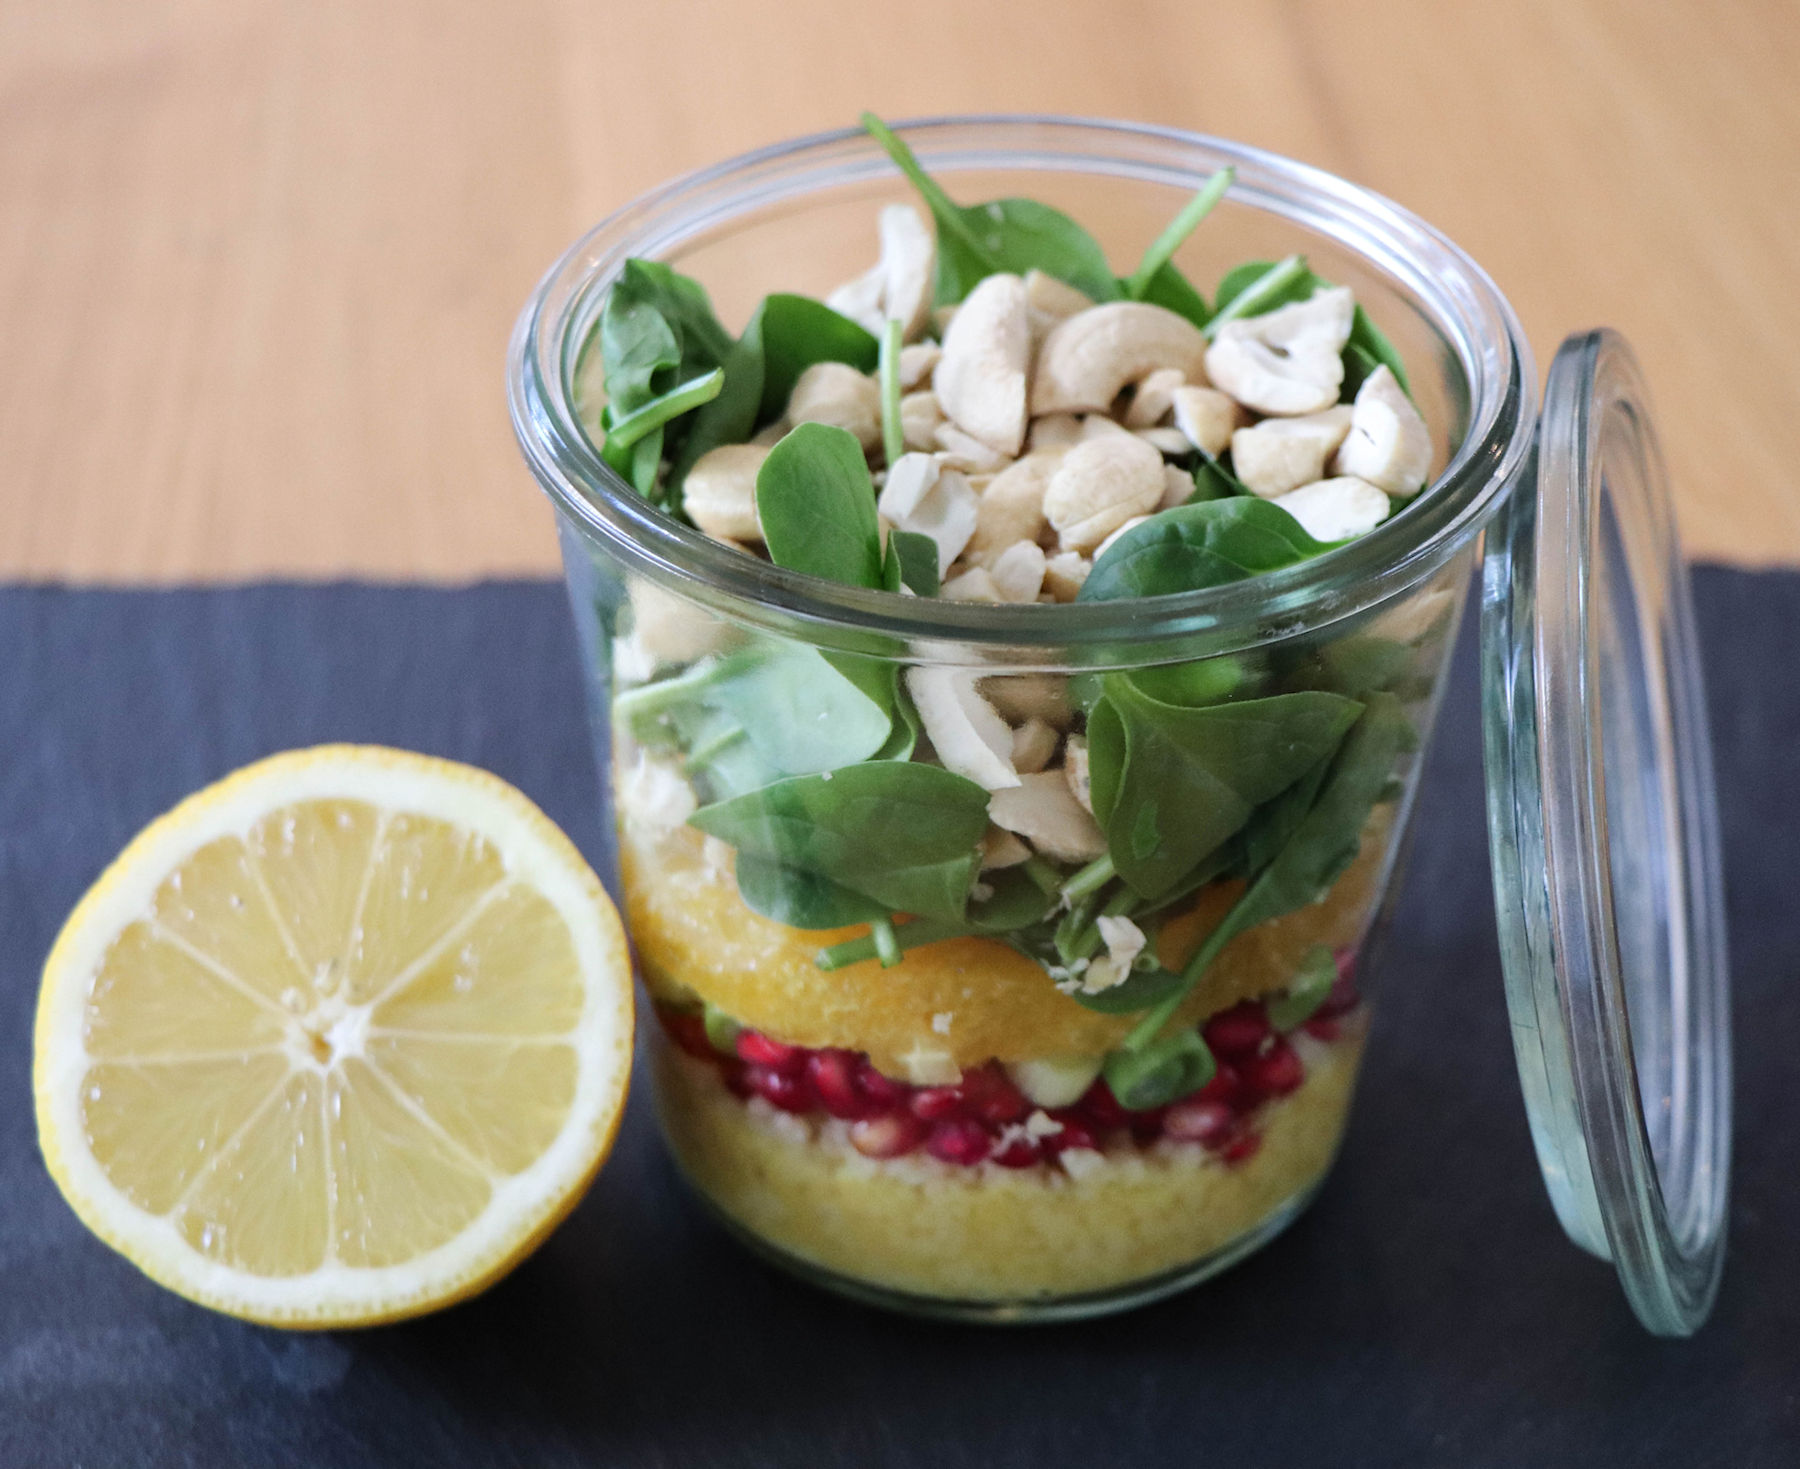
(258, 260)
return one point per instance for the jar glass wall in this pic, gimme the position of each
(933, 1128)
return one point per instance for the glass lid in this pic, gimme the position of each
(1604, 831)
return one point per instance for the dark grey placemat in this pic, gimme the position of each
(1426, 1310)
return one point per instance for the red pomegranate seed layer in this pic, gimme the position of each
(981, 1117)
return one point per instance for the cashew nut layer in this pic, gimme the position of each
(1206, 417)
(1034, 746)
(1288, 360)
(1012, 507)
(1388, 444)
(1153, 398)
(837, 394)
(1101, 484)
(969, 737)
(1281, 454)
(980, 379)
(899, 285)
(719, 493)
(1043, 811)
(922, 495)
(917, 363)
(966, 452)
(1075, 771)
(1053, 431)
(1336, 509)
(1087, 360)
(1064, 573)
(1018, 572)
(1022, 696)
(920, 416)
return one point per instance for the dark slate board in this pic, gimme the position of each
(1426, 1310)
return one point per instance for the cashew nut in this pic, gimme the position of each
(1281, 454)
(920, 416)
(969, 737)
(1153, 398)
(917, 363)
(1075, 771)
(922, 495)
(1012, 507)
(654, 795)
(1124, 942)
(899, 286)
(1106, 545)
(1178, 487)
(1389, 445)
(966, 452)
(1099, 486)
(980, 379)
(719, 493)
(1018, 572)
(1022, 696)
(837, 394)
(1206, 417)
(1034, 746)
(1170, 441)
(1000, 848)
(1064, 573)
(973, 585)
(1288, 360)
(1043, 811)
(1099, 426)
(1087, 360)
(1049, 296)
(671, 629)
(1336, 509)
(1053, 431)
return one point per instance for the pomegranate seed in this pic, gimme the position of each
(833, 1078)
(1196, 1121)
(1224, 1087)
(882, 1093)
(1275, 1073)
(781, 1089)
(1242, 1147)
(1101, 1108)
(891, 1136)
(1075, 1134)
(1323, 1030)
(1021, 1152)
(958, 1140)
(759, 1050)
(1147, 1126)
(735, 1081)
(688, 1030)
(1239, 1031)
(936, 1103)
(989, 1094)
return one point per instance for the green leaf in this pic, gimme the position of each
(1158, 257)
(1306, 991)
(1368, 346)
(904, 834)
(799, 710)
(730, 418)
(1015, 235)
(1155, 1075)
(816, 503)
(916, 556)
(721, 1030)
(1202, 681)
(1199, 545)
(678, 400)
(1136, 992)
(893, 434)
(1172, 290)
(795, 332)
(801, 899)
(1191, 777)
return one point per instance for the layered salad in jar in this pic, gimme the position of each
(984, 988)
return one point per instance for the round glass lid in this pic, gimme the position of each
(1604, 831)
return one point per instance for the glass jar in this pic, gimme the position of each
(931, 1128)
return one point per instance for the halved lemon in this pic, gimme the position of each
(336, 1041)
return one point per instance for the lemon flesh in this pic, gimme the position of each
(336, 1041)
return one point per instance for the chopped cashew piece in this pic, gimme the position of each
(1018, 572)
(935, 501)
(969, 737)
(837, 394)
(1075, 771)
(1178, 487)
(1417, 615)
(966, 452)
(1281, 454)
(1207, 417)
(1288, 360)
(769, 437)
(980, 379)
(1124, 942)
(1042, 810)
(1054, 298)
(1054, 1081)
(1066, 571)
(1087, 360)
(1033, 746)
(900, 283)
(1106, 545)
(719, 493)
(1099, 426)
(923, 1064)
(920, 416)
(917, 363)
(1022, 696)
(1012, 507)
(654, 795)
(1170, 441)
(1000, 848)
(1389, 445)
(1099, 485)
(860, 299)
(973, 585)
(1154, 397)
(671, 629)
(1053, 431)
(1336, 509)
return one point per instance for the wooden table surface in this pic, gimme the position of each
(258, 260)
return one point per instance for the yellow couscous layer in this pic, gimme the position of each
(989, 1234)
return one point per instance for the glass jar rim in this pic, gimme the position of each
(1463, 303)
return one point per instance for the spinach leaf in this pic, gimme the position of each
(1306, 991)
(801, 899)
(1162, 250)
(799, 710)
(794, 333)
(1202, 681)
(816, 503)
(1199, 545)
(893, 432)
(1156, 1074)
(1015, 235)
(730, 418)
(1368, 346)
(1191, 777)
(1172, 290)
(1137, 992)
(683, 398)
(915, 555)
(904, 834)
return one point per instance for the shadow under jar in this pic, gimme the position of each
(937, 1134)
